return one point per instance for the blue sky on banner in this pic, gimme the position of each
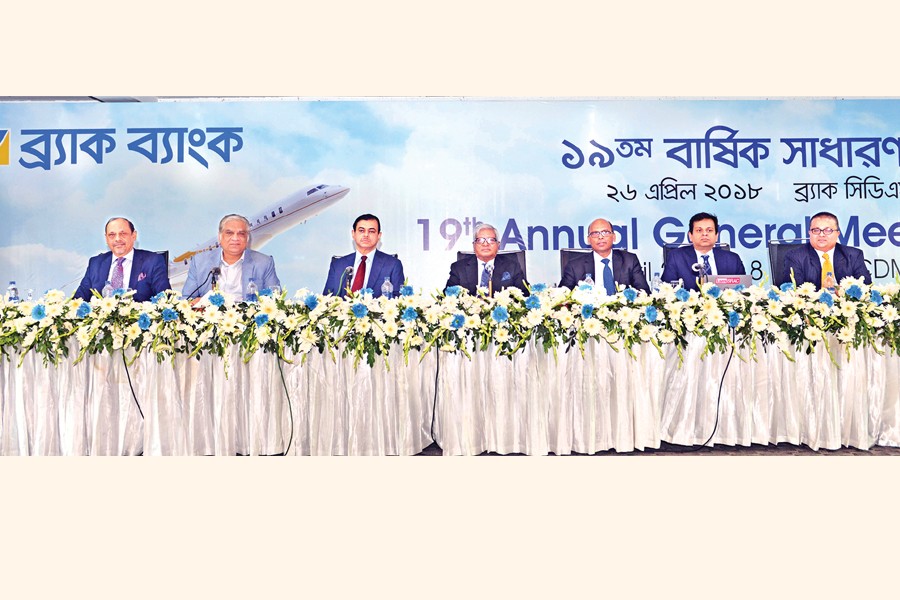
(428, 168)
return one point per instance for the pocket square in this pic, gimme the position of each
(506, 276)
(142, 277)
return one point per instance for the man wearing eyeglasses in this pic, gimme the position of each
(232, 266)
(702, 256)
(608, 268)
(814, 261)
(486, 268)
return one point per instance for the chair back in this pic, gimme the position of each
(778, 249)
(519, 254)
(567, 254)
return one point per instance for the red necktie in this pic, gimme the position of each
(360, 276)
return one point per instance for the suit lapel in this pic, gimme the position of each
(136, 265)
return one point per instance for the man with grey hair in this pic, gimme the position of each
(607, 267)
(233, 267)
(486, 268)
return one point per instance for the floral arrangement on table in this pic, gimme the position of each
(792, 319)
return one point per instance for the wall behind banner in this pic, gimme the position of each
(539, 170)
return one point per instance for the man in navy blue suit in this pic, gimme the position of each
(813, 261)
(608, 268)
(124, 267)
(486, 268)
(232, 264)
(703, 233)
(367, 267)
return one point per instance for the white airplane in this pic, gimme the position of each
(265, 225)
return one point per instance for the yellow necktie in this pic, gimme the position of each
(826, 269)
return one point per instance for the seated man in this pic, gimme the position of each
(233, 266)
(703, 233)
(363, 268)
(607, 267)
(486, 268)
(141, 270)
(812, 261)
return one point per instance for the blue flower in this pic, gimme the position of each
(787, 286)
(682, 294)
(826, 298)
(265, 292)
(409, 314)
(217, 299)
(739, 287)
(538, 287)
(714, 291)
(406, 290)
(458, 321)
(585, 287)
(83, 310)
(311, 301)
(587, 311)
(38, 312)
(773, 295)
(854, 291)
(876, 297)
(169, 315)
(360, 310)
(532, 302)
(500, 314)
(733, 319)
(157, 298)
(144, 321)
(366, 291)
(261, 319)
(119, 292)
(453, 290)
(630, 294)
(650, 313)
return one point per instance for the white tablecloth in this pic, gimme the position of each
(534, 403)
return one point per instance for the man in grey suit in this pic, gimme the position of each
(233, 267)
(607, 267)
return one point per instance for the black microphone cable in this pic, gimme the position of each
(290, 408)
(719, 397)
(202, 283)
(133, 395)
(437, 372)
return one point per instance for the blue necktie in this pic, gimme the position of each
(608, 281)
(707, 268)
(485, 276)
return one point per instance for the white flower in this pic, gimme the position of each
(391, 329)
(648, 332)
(813, 334)
(759, 323)
(890, 314)
(501, 334)
(263, 334)
(845, 335)
(666, 336)
(593, 326)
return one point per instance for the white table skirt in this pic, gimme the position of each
(534, 404)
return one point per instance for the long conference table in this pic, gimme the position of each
(535, 403)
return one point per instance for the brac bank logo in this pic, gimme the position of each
(4, 147)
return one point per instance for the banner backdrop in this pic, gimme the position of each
(540, 170)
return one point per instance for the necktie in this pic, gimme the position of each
(608, 281)
(826, 269)
(485, 277)
(360, 276)
(706, 267)
(118, 277)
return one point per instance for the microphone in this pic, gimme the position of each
(348, 272)
(215, 272)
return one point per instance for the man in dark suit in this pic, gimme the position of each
(124, 267)
(812, 262)
(367, 267)
(486, 268)
(608, 268)
(703, 233)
